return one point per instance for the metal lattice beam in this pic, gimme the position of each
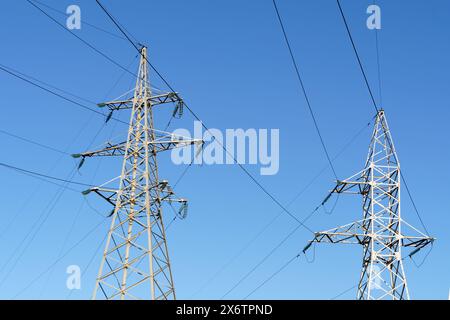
(135, 262)
(380, 232)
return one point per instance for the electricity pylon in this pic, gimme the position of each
(381, 232)
(135, 261)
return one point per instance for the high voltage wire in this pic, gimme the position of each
(34, 173)
(344, 292)
(49, 85)
(81, 39)
(355, 50)
(268, 255)
(33, 232)
(39, 144)
(284, 266)
(377, 49)
(40, 176)
(7, 70)
(23, 76)
(85, 236)
(297, 71)
(24, 202)
(44, 180)
(69, 232)
(402, 176)
(308, 185)
(86, 43)
(86, 268)
(84, 22)
(123, 31)
(44, 216)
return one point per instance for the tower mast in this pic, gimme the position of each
(381, 232)
(135, 262)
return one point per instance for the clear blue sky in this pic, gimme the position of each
(229, 61)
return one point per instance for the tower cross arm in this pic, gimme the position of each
(356, 184)
(417, 242)
(352, 233)
(161, 142)
(358, 233)
(170, 97)
(109, 151)
(165, 191)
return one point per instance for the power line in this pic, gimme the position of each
(45, 180)
(24, 202)
(39, 223)
(83, 20)
(133, 43)
(377, 49)
(344, 292)
(274, 249)
(49, 85)
(33, 232)
(69, 232)
(60, 258)
(32, 142)
(46, 176)
(100, 245)
(63, 245)
(295, 198)
(81, 39)
(6, 69)
(366, 80)
(402, 176)
(34, 173)
(414, 203)
(297, 71)
(284, 266)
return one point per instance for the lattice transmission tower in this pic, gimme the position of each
(135, 263)
(381, 232)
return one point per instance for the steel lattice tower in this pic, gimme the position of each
(135, 261)
(381, 232)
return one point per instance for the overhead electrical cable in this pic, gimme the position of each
(43, 217)
(272, 221)
(75, 245)
(39, 144)
(271, 252)
(284, 266)
(83, 21)
(300, 80)
(81, 39)
(3, 68)
(34, 173)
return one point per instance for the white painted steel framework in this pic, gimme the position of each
(382, 231)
